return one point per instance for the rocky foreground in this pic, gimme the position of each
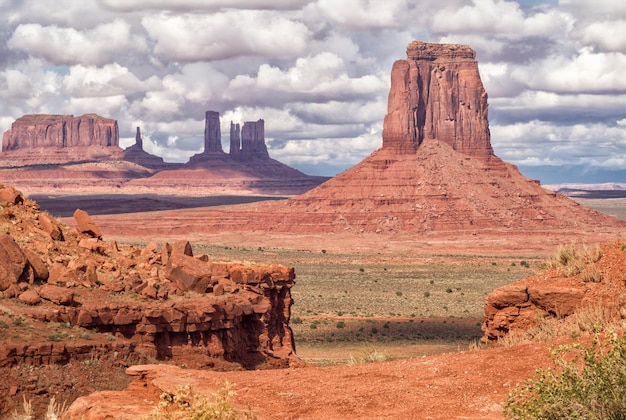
(78, 296)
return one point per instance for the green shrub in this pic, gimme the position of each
(448, 290)
(426, 294)
(586, 383)
(296, 320)
(340, 324)
(398, 293)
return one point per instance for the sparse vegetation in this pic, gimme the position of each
(54, 411)
(571, 259)
(185, 404)
(586, 383)
(591, 319)
(369, 356)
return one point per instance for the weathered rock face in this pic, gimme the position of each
(165, 303)
(252, 142)
(519, 306)
(212, 133)
(436, 93)
(60, 131)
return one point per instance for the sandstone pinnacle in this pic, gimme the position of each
(437, 94)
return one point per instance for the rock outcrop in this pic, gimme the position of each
(138, 155)
(160, 303)
(60, 131)
(251, 144)
(594, 282)
(436, 93)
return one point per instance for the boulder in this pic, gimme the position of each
(29, 297)
(86, 224)
(40, 270)
(9, 195)
(13, 262)
(188, 273)
(182, 247)
(51, 226)
(56, 294)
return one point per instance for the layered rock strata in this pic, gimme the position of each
(596, 287)
(436, 93)
(161, 302)
(60, 131)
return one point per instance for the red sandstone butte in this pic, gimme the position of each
(436, 172)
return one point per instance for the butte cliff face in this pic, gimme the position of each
(436, 93)
(60, 131)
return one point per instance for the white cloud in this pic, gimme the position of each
(97, 46)
(187, 5)
(109, 80)
(587, 71)
(218, 36)
(361, 14)
(606, 35)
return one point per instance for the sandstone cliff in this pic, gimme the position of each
(60, 131)
(436, 93)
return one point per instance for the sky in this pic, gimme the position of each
(318, 73)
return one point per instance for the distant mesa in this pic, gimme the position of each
(54, 139)
(83, 153)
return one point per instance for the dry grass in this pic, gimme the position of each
(589, 320)
(571, 259)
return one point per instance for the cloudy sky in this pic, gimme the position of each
(318, 72)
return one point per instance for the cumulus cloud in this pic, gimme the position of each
(66, 45)
(186, 5)
(218, 36)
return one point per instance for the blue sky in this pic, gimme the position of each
(318, 72)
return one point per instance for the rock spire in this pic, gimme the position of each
(436, 93)
(252, 142)
(138, 139)
(212, 133)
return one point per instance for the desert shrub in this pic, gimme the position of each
(187, 404)
(340, 324)
(586, 383)
(426, 294)
(53, 412)
(571, 260)
(448, 290)
(590, 319)
(591, 274)
(369, 356)
(296, 320)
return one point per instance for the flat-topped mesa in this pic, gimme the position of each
(60, 131)
(436, 93)
(252, 142)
